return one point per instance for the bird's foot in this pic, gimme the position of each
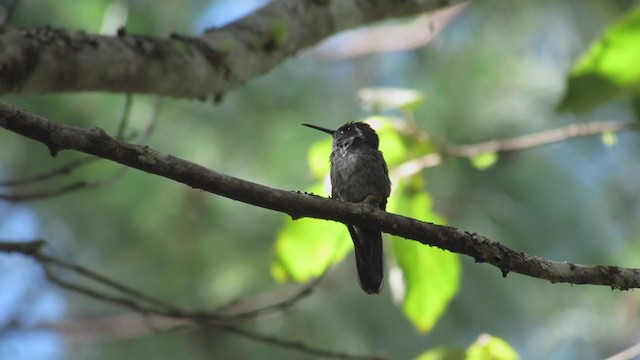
(372, 202)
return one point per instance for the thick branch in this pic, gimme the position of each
(46, 59)
(96, 142)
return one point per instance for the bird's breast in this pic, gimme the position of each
(358, 174)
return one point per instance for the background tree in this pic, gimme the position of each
(497, 72)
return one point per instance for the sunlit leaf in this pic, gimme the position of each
(609, 68)
(318, 157)
(484, 160)
(377, 99)
(609, 138)
(489, 347)
(442, 353)
(305, 248)
(391, 144)
(431, 275)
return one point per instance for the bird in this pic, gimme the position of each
(358, 173)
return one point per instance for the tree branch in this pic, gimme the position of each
(50, 192)
(47, 59)
(447, 151)
(96, 142)
(151, 308)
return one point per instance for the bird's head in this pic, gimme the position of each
(352, 134)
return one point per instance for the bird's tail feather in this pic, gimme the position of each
(368, 249)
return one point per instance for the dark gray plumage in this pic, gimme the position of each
(358, 172)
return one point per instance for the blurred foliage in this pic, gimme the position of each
(487, 347)
(485, 160)
(384, 99)
(497, 71)
(610, 67)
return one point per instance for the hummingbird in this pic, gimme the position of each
(359, 173)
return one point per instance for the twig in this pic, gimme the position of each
(627, 354)
(45, 194)
(295, 345)
(74, 165)
(90, 274)
(278, 306)
(572, 131)
(124, 120)
(198, 318)
(518, 143)
(65, 169)
(30, 248)
(64, 189)
(86, 291)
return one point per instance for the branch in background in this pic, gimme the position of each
(517, 143)
(45, 59)
(50, 193)
(9, 10)
(63, 170)
(630, 353)
(391, 37)
(96, 142)
(140, 302)
(151, 308)
(296, 345)
(126, 112)
(240, 309)
(74, 165)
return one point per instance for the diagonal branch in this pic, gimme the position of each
(96, 142)
(45, 59)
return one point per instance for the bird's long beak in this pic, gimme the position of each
(320, 128)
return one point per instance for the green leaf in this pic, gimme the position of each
(305, 248)
(609, 138)
(442, 353)
(391, 144)
(484, 160)
(489, 347)
(431, 276)
(609, 68)
(379, 99)
(584, 92)
(318, 157)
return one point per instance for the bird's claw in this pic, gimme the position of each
(371, 202)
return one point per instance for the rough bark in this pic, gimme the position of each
(46, 59)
